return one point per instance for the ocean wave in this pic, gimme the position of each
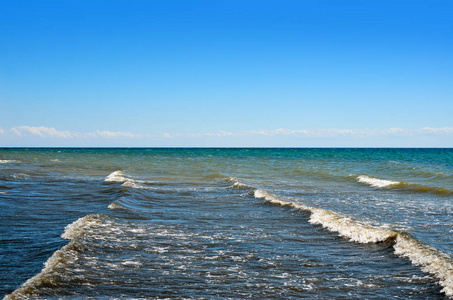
(376, 182)
(20, 176)
(239, 185)
(115, 205)
(83, 225)
(116, 176)
(346, 226)
(418, 188)
(55, 268)
(100, 227)
(120, 177)
(414, 188)
(125, 203)
(430, 260)
(5, 161)
(216, 175)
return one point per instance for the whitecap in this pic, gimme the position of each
(5, 161)
(376, 182)
(116, 176)
(238, 184)
(430, 260)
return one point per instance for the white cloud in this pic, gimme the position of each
(41, 132)
(50, 132)
(116, 134)
(442, 130)
(219, 133)
(332, 132)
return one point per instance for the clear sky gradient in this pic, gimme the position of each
(226, 73)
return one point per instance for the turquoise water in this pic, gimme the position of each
(226, 223)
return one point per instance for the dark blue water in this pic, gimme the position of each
(226, 223)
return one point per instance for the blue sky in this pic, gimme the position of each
(226, 73)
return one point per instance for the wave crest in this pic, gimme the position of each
(119, 176)
(116, 176)
(346, 226)
(83, 225)
(239, 185)
(414, 188)
(376, 182)
(5, 161)
(429, 259)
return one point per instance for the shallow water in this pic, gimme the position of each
(226, 223)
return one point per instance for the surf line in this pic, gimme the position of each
(429, 259)
(414, 188)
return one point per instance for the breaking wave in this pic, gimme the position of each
(116, 176)
(239, 185)
(376, 182)
(98, 227)
(115, 205)
(429, 259)
(346, 226)
(5, 161)
(414, 188)
(56, 265)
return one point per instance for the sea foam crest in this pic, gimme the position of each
(57, 264)
(429, 259)
(82, 226)
(116, 176)
(376, 182)
(5, 161)
(115, 205)
(58, 261)
(271, 198)
(415, 188)
(238, 184)
(346, 226)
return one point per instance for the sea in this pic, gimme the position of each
(226, 223)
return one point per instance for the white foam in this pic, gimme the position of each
(131, 263)
(132, 184)
(116, 176)
(429, 259)
(271, 198)
(376, 182)
(114, 205)
(5, 161)
(83, 226)
(59, 259)
(238, 184)
(347, 227)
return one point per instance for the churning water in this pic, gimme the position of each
(226, 223)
